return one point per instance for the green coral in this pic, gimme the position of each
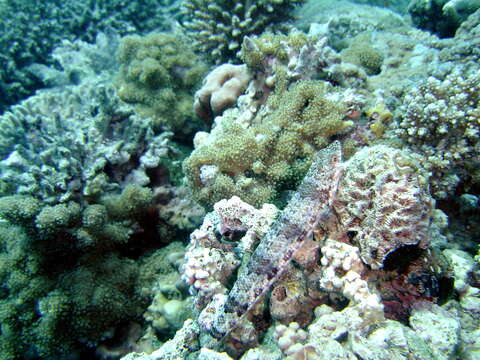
(272, 154)
(64, 282)
(442, 17)
(362, 54)
(52, 219)
(218, 27)
(19, 209)
(159, 73)
(272, 45)
(131, 202)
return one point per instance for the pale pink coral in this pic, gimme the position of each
(220, 90)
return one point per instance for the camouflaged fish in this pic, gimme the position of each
(309, 208)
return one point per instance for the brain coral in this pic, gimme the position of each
(383, 202)
(219, 26)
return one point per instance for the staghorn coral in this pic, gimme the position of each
(55, 21)
(218, 27)
(158, 74)
(440, 120)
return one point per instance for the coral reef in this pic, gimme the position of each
(69, 262)
(209, 264)
(43, 279)
(218, 27)
(342, 20)
(80, 140)
(383, 202)
(56, 21)
(159, 73)
(299, 97)
(349, 131)
(362, 54)
(170, 305)
(464, 47)
(328, 215)
(53, 157)
(184, 342)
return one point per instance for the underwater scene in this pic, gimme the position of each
(253, 180)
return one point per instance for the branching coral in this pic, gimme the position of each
(68, 257)
(218, 27)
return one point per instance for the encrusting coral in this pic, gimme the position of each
(220, 90)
